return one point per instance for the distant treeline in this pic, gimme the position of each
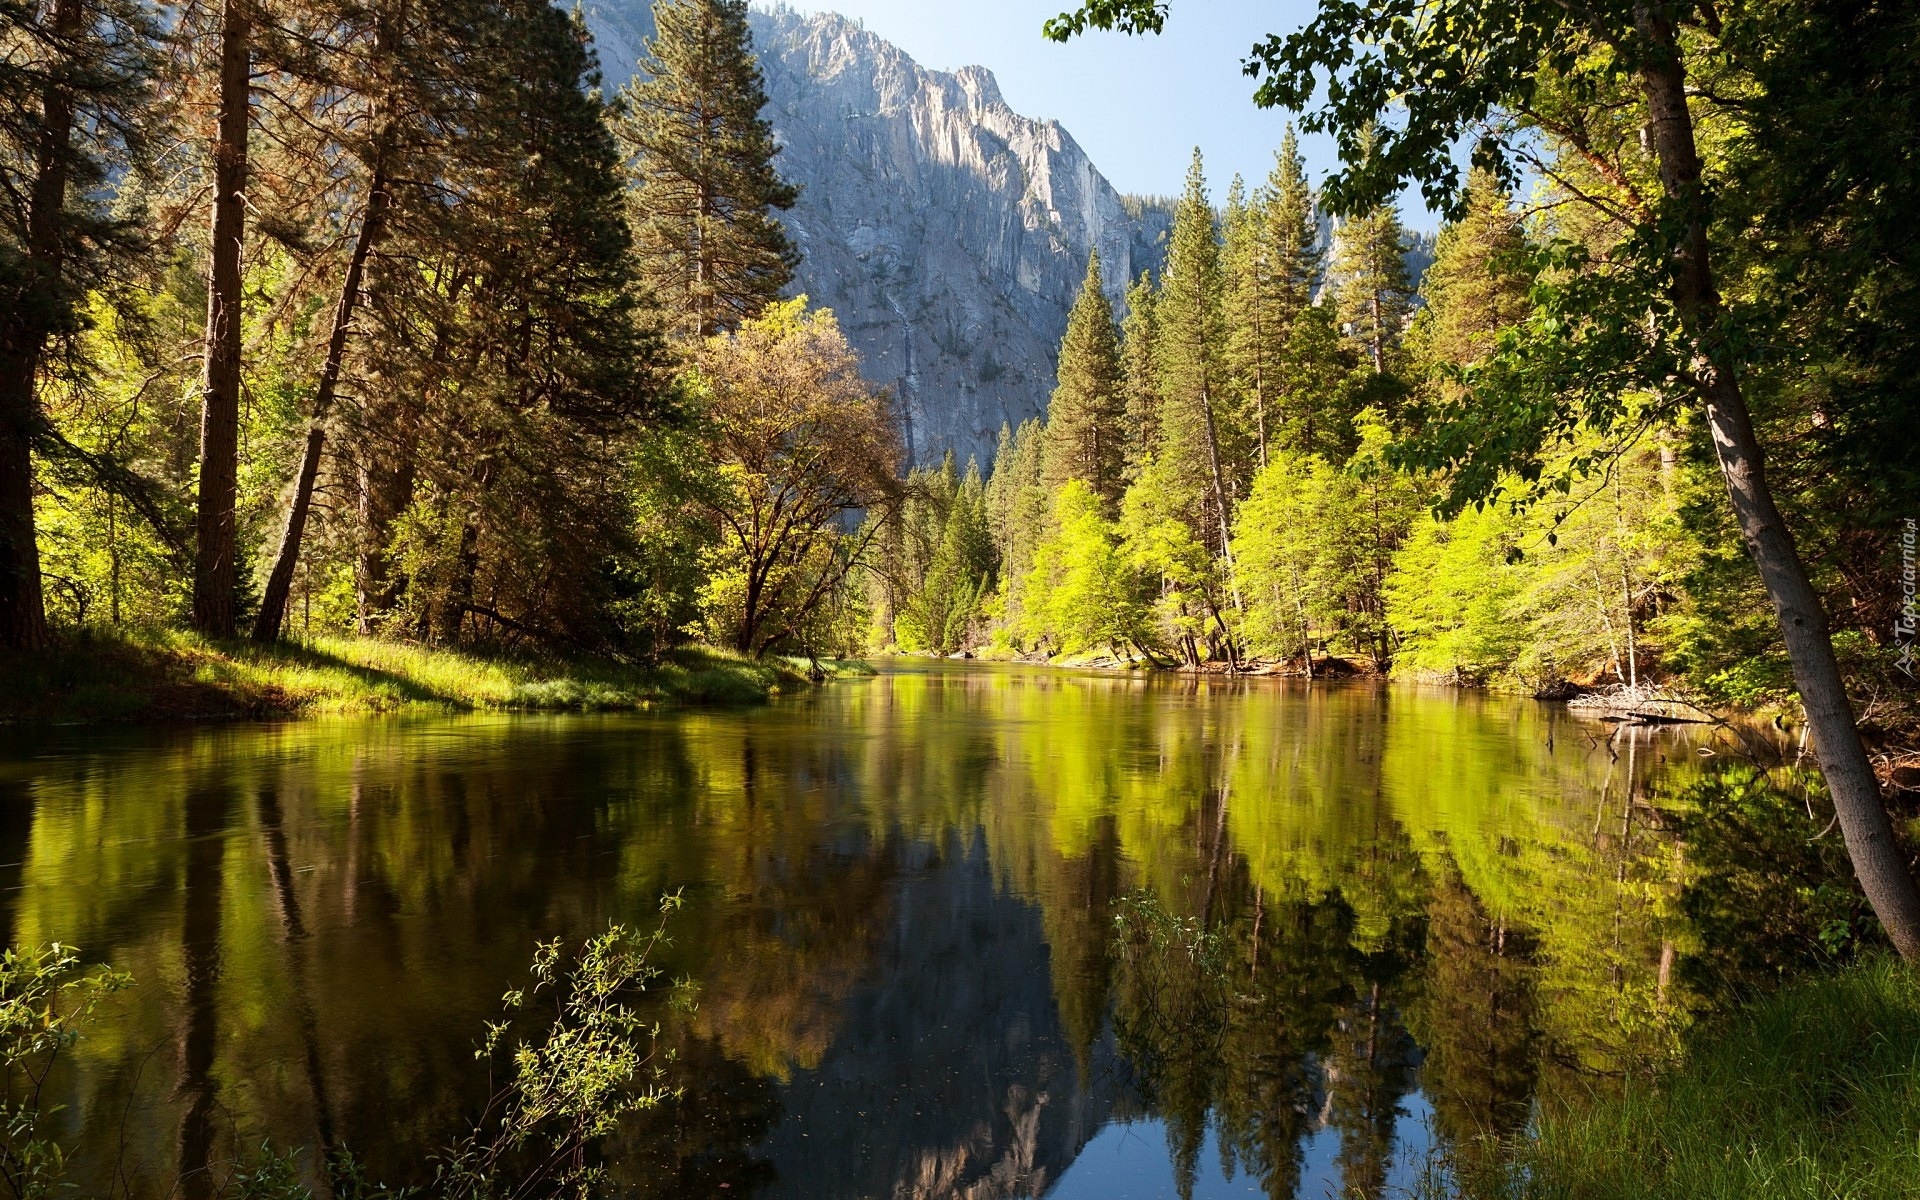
(1239, 469)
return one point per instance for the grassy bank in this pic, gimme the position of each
(1812, 1092)
(132, 675)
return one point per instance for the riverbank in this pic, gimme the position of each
(169, 675)
(1811, 1092)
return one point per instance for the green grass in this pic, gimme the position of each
(157, 675)
(1812, 1092)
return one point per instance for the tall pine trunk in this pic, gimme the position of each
(213, 566)
(23, 616)
(1877, 859)
(386, 489)
(23, 342)
(273, 605)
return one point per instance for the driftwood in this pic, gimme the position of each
(1642, 704)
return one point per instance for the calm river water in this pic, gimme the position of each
(958, 931)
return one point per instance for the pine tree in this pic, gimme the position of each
(1192, 362)
(214, 565)
(1374, 296)
(1140, 372)
(1084, 418)
(1252, 339)
(1478, 283)
(1274, 263)
(701, 158)
(503, 353)
(73, 86)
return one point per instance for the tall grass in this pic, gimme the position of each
(1813, 1092)
(131, 675)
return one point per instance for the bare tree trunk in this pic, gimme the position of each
(273, 605)
(1877, 859)
(23, 613)
(23, 340)
(385, 491)
(213, 566)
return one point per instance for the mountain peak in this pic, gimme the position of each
(948, 232)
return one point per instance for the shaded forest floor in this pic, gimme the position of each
(129, 675)
(1811, 1092)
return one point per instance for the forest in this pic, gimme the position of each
(383, 320)
(384, 338)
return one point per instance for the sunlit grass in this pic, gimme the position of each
(158, 674)
(1813, 1092)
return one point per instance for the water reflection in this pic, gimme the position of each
(958, 932)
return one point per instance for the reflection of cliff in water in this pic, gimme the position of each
(951, 1074)
(904, 913)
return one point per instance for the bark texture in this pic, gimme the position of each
(213, 566)
(23, 341)
(1877, 858)
(273, 604)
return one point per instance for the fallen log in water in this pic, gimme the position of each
(1647, 704)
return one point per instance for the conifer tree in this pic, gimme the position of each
(1140, 372)
(1477, 285)
(1272, 273)
(73, 86)
(1250, 333)
(214, 566)
(1374, 295)
(383, 106)
(1192, 362)
(504, 355)
(1291, 234)
(1084, 417)
(701, 157)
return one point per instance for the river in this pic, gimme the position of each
(956, 931)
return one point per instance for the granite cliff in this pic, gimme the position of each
(948, 232)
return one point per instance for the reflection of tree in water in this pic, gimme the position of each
(208, 809)
(1273, 1020)
(941, 882)
(706, 1142)
(1770, 890)
(1079, 932)
(1475, 1020)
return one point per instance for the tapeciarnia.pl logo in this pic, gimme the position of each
(1903, 629)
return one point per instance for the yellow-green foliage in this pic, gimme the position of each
(126, 674)
(1081, 589)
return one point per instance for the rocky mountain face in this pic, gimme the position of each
(947, 232)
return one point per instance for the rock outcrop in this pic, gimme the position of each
(948, 232)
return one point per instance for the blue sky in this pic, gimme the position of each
(1138, 105)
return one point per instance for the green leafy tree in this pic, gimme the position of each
(1276, 548)
(802, 442)
(1367, 509)
(1080, 592)
(1180, 572)
(1019, 509)
(1453, 596)
(701, 156)
(1608, 91)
